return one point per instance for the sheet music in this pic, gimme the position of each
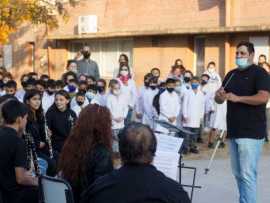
(167, 163)
(168, 143)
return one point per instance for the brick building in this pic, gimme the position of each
(152, 32)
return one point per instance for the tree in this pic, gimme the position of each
(15, 12)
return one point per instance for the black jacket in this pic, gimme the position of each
(60, 123)
(135, 184)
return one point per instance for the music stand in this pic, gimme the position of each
(181, 132)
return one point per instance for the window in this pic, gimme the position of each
(106, 53)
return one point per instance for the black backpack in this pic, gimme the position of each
(156, 100)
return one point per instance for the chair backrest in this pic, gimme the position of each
(55, 190)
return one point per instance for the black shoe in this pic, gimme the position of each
(194, 151)
(222, 145)
(210, 145)
(199, 140)
(185, 151)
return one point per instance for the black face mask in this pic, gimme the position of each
(80, 103)
(86, 54)
(100, 89)
(170, 89)
(187, 79)
(203, 82)
(50, 92)
(153, 87)
(146, 84)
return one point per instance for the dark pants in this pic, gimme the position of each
(190, 140)
(25, 194)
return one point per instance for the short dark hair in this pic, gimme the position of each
(262, 55)
(59, 83)
(103, 81)
(11, 84)
(13, 109)
(196, 78)
(41, 83)
(170, 80)
(205, 75)
(113, 82)
(51, 83)
(211, 63)
(249, 45)
(137, 144)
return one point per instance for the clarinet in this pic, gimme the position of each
(48, 139)
(32, 153)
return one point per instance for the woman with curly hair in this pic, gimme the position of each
(86, 154)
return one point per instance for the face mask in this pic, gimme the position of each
(90, 95)
(211, 70)
(124, 72)
(50, 92)
(203, 82)
(178, 89)
(153, 87)
(86, 55)
(242, 63)
(74, 70)
(146, 84)
(194, 86)
(187, 79)
(100, 89)
(80, 103)
(71, 88)
(170, 89)
(116, 92)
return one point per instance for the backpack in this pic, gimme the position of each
(156, 100)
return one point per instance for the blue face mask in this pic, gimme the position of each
(194, 86)
(71, 88)
(242, 63)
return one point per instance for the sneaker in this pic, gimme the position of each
(185, 151)
(210, 145)
(199, 140)
(194, 151)
(222, 145)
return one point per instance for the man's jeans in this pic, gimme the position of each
(245, 154)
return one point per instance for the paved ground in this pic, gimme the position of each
(219, 185)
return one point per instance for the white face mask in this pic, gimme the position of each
(116, 92)
(123, 72)
(211, 70)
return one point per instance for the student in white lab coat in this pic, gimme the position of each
(118, 107)
(141, 92)
(79, 103)
(48, 95)
(215, 79)
(169, 105)
(186, 85)
(128, 88)
(193, 112)
(101, 96)
(148, 95)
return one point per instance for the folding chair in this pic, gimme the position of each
(54, 190)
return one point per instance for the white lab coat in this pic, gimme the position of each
(100, 99)
(129, 92)
(77, 109)
(139, 102)
(47, 101)
(193, 108)
(118, 107)
(149, 113)
(220, 122)
(169, 107)
(20, 95)
(214, 80)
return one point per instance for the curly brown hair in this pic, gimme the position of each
(93, 127)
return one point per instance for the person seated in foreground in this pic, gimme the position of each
(137, 180)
